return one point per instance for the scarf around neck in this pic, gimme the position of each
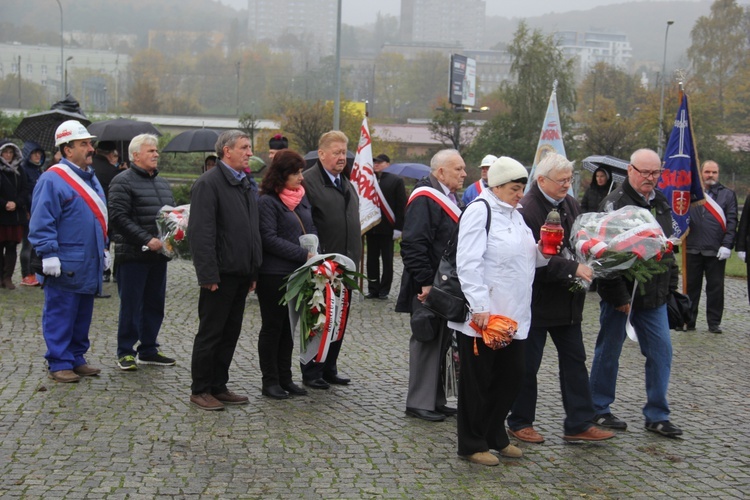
(291, 197)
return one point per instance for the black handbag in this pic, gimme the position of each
(678, 310)
(446, 298)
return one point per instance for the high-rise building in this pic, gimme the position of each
(309, 20)
(590, 48)
(445, 21)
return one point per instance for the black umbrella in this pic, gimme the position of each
(412, 170)
(121, 129)
(198, 140)
(41, 127)
(617, 168)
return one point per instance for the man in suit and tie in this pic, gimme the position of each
(381, 237)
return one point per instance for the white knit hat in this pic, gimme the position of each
(505, 169)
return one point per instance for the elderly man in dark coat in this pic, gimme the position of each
(431, 216)
(335, 210)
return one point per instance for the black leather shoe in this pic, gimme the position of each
(102, 296)
(275, 392)
(317, 383)
(335, 379)
(383, 296)
(715, 329)
(446, 410)
(371, 296)
(430, 416)
(294, 389)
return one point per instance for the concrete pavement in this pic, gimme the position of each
(134, 434)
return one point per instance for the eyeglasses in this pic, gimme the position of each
(561, 182)
(654, 174)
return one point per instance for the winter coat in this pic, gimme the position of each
(335, 213)
(62, 225)
(33, 172)
(596, 193)
(135, 198)
(618, 291)
(496, 270)
(706, 235)
(13, 187)
(553, 304)
(223, 231)
(392, 187)
(427, 230)
(280, 230)
(743, 228)
(105, 172)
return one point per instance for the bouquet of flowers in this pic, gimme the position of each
(626, 242)
(172, 223)
(318, 294)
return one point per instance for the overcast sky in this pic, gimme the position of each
(365, 11)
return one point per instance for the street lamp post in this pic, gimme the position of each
(66, 75)
(661, 99)
(62, 90)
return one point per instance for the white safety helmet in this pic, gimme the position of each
(71, 130)
(488, 161)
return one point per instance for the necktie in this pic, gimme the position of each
(452, 197)
(337, 183)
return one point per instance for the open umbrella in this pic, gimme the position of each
(617, 168)
(193, 141)
(121, 129)
(412, 170)
(40, 127)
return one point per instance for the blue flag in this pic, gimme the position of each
(681, 182)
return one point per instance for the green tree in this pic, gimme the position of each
(718, 48)
(448, 125)
(536, 63)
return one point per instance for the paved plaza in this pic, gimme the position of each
(134, 434)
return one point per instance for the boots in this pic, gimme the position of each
(9, 265)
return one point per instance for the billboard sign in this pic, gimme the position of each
(463, 81)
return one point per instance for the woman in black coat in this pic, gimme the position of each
(285, 215)
(601, 186)
(14, 198)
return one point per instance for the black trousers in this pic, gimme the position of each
(275, 341)
(574, 379)
(713, 268)
(328, 368)
(220, 322)
(379, 246)
(487, 386)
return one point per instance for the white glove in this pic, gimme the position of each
(723, 253)
(396, 234)
(107, 260)
(51, 266)
(742, 256)
(676, 241)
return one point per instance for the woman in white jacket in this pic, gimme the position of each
(496, 272)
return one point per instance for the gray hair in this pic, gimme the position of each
(642, 152)
(140, 140)
(228, 139)
(441, 157)
(553, 161)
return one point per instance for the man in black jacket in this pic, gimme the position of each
(105, 163)
(225, 243)
(135, 198)
(380, 238)
(557, 310)
(429, 223)
(648, 311)
(709, 244)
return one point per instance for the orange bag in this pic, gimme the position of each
(499, 332)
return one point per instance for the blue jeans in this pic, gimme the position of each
(66, 319)
(652, 328)
(142, 287)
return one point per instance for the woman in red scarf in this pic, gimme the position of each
(285, 215)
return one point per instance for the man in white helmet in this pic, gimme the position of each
(475, 189)
(68, 230)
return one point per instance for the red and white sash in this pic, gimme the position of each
(715, 210)
(479, 187)
(438, 197)
(92, 199)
